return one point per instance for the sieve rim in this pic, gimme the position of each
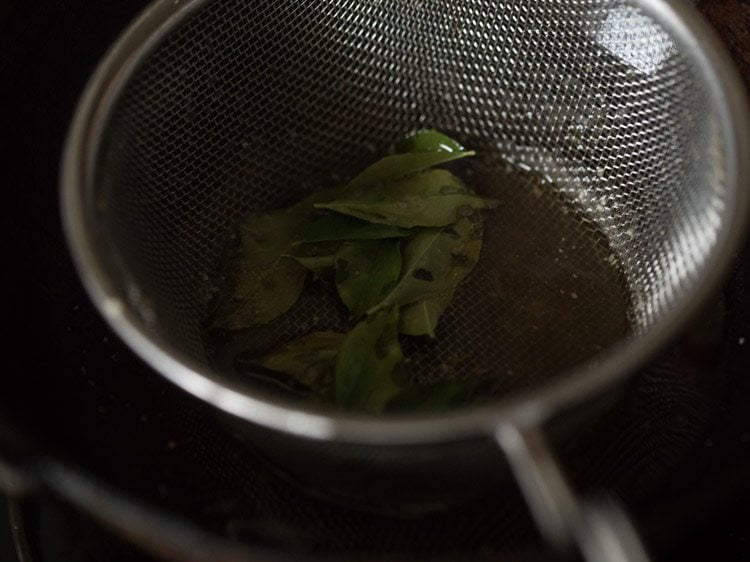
(532, 407)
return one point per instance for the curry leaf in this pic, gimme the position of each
(315, 257)
(310, 360)
(356, 228)
(435, 261)
(259, 293)
(334, 226)
(266, 236)
(366, 362)
(262, 283)
(421, 318)
(399, 165)
(366, 271)
(428, 140)
(316, 264)
(431, 198)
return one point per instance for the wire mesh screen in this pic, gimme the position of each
(597, 135)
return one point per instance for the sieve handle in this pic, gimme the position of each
(600, 530)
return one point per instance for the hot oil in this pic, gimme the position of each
(546, 294)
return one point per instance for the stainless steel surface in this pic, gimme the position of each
(619, 104)
(604, 533)
(547, 492)
(21, 541)
(600, 530)
(203, 110)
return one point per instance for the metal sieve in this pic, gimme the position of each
(623, 115)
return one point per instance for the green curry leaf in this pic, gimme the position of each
(421, 318)
(366, 363)
(334, 226)
(366, 270)
(260, 284)
(261, 281)
(310, 360)
(259, 293)
(432, 198)
(399, 165)
(318, 257)
(435, 261)
(316, 264)
(399, 205)
(266, 236)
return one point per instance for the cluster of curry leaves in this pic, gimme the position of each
(400, 237)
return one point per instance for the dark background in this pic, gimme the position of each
(6, 541)
(48, 50)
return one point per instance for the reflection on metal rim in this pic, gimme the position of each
(697, 41)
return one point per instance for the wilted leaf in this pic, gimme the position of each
(316, 264)
(366, 270)
(261, 282)
(334, 226)
(431, 198)
(310, 359)
(259, 293)
(421, 318)
(357, 228)
(317, 258)
(435, 261)
(399, 165)
(267, 235)
(428, 140)
(366, 362)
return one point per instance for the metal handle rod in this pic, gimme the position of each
(21, 538)
(601, 531)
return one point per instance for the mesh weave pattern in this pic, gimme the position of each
(250, 105)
